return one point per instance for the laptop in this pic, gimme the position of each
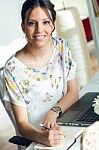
(81, 113)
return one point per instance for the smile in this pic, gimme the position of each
(38, 37)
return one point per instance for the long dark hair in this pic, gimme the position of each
(29, 5)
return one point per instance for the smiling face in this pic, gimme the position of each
(38, 28)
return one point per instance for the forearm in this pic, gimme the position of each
(70, 97)
(68, 100)
(25, 128)
(64, 104)
(28, 131)
(47, 137)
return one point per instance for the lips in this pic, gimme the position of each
(39, 37)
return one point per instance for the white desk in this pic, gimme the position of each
(92, 86)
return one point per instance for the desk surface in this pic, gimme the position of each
(92, 86)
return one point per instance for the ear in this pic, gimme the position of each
(53, 28)
(23, 27)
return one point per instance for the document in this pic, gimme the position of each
(71, 133)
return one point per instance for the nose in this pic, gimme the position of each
(39, 27)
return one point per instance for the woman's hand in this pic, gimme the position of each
(51, 137)
(50, 119)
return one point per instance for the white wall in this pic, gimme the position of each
(10, 12)
(9, 21)
(80, 4)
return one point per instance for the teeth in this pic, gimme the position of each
(38, 37)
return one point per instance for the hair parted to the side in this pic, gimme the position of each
(29, 5)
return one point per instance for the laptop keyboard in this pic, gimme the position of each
(89, 116)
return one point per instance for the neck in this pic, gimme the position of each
(35, 51)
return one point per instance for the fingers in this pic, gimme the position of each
(52, 137)
(55, 142)
(56, 136)
(52, 125)
(49, 125)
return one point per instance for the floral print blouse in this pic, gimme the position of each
(38, 90)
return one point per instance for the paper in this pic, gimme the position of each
(70, 134)
(62, 146)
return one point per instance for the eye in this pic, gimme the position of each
(46, 22)
(31, 23)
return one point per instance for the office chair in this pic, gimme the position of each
(19, 140)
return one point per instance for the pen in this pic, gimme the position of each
(42, 125)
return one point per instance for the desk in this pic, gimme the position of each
(92, 86)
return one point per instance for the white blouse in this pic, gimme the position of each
(39, 89)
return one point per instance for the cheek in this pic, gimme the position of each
(50, 29)
(29, 31)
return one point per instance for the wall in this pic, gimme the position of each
(9, 21)
(80, 4)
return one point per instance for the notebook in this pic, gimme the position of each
(81, 113)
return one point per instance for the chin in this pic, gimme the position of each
(41, 43)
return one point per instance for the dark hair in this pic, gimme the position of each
(31, 4)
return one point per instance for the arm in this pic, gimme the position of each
(15, 95)
(71, 96)
(68, 100)
(47, 137)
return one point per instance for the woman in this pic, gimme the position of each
(40, 78)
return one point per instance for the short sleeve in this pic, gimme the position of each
(12, 92)
(71, 69)
(69, 64)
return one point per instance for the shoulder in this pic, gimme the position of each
(60, 40)
(62, 47)
(10, 64)
(9, 61)
(62, 44)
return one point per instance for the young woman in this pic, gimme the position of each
(40, 79)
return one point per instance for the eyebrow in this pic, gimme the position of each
(36, 20)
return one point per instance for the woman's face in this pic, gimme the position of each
(38, 28)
